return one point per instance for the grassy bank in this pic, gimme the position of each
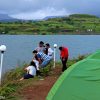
(11, 85)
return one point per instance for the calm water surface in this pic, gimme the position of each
(20, 47)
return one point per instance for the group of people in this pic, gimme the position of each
(42, 55)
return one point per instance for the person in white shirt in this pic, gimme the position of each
(31, 71)
(40, 47)
(49, 51)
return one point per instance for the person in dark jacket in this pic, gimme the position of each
(64, 57)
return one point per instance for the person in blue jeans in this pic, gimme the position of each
(42, 58)
(31, 71)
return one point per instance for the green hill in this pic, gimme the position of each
(82, 16)
(73, 24)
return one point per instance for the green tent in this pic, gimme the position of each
(80, 81)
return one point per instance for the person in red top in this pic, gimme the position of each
(64, 57)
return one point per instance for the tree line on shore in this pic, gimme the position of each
(72, 24)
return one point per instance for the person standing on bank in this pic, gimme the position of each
(64, 57)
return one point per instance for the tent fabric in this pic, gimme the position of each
(81, 81)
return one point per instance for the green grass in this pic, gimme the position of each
(64, 25)
(11, 85)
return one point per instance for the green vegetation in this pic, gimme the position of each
(73, 24)
(11, 83)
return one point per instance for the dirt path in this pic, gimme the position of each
(40, 89)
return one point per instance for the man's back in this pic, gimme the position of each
(64, 52)
(43, 56)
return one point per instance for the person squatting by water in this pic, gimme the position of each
(42, 58)
(30, 71)
(64, 57)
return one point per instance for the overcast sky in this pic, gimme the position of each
(38, 9)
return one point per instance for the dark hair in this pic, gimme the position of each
(32, 63)
(47, 44)
(41, 42)
(35, 51)
(60, 48)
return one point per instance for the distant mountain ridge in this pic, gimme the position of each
(5, 17)
(48, 17)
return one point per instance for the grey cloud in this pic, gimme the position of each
(48, 7)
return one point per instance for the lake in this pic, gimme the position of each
(20, 47)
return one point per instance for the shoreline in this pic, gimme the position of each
(11, 85)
